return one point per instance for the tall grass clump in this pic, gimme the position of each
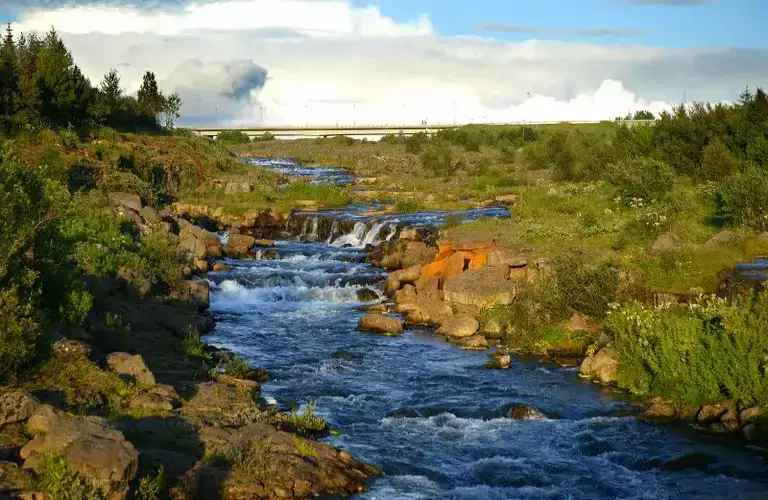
(699, 353)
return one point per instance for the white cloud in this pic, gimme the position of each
(330, 62)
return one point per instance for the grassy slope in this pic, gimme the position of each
(552, 217)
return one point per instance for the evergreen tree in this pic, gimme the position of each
(65, 94)
(151, 100)
(9, 81)
(27, 51)
(109, 100)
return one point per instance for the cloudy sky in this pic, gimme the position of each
(402, 61)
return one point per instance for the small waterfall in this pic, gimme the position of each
(334, 231)
(373, 233)
(355, 238)
(315, 224)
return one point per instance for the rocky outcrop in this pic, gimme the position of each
(129, 365)
(484, 287)
(279, 465)
(199, 294)
(196, 243)
(378, 323)
(239, 246)
(261, 222)
(16, 406)
(90, 446)
(601, 367)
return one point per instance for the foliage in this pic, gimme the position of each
(407, 206)
(304, 447)
(306, 422)
(239, 368)
(266, 136)
(695, 354)
(415, 143)
(19, 333)
(58, 481)
(717, 162)
(233, 137)
(641, 178)
(437, 158)
(583, 286)
(151, 487)
(193, 347)
(251, 457)
(744, 197)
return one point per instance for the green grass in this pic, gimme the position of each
(193, 347)
(407, 206)
(250, 457)
(58, 481)
(151, 487)
(306, 422)
(304, 447)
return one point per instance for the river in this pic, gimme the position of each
(426, 413)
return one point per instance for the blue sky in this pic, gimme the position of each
(739, 23)
(699, 23)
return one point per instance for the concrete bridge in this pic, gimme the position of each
(357, 131)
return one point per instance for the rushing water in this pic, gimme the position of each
(430, 417)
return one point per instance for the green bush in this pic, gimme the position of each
(151, 487)
(744, 197)
(582, 286)
(306, 422)
(437, 158)
(58, 481)
(695, 354)
(641, 178)
(717, 162)
(19, 333)
(407, 206)
(266, 136)
(164, 261)
(233, 137)
(560, 156)
(415, 143)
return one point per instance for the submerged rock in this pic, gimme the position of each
(402, 413)
(522, 411)
(367, 295)
(378, 323)
(474, 343)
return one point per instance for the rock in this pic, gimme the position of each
(665, 242)
(377, 308)
(126, 200)
(199, 294)
(405, 413)
(504, 257)
(508, 199)
(522, 411)
(474, 343)
(406, 296)
(200, 266)
(749, 432)
(602, 366)
(393, 285)
(718, 428)
(220, 267)
(730, 419)
(698, 461)
(660, 410)
(238, 187)
(484, 287)
(151, 402)
(150, 215)
(580, 323)
(126, 364)
(412, 233)
(239, 246)
(196, 243)
(492, 328)
(408, 276)
(710, 413)
(264, 243)
(17, 480)
(90, 446)
(16, 406)
(504, 361)
(751, 413)
(459, 326)
(66, 348)
(166, 227)
(367, 295)
(724, 236)
(223, 404)
(377, 323)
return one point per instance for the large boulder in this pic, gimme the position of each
(199, 294)
(378, 323)
(602, 366)
(710, 413)
(459, 327)
(130, 365)
(90, 446)
(126, 200)
(197, 243)
(16, 406)
(239, 246)
(367, 295)
(484, 287)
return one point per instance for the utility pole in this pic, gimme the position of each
(454, 113)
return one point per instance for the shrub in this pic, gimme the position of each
(239, 368)
(717, 162)
(58, 481)
(438, 159)
(582, 286)
(407, 206)
(252, 457)
(641, 178)
(164, 260)
(695, 354)
(151, 487)
(19, 333)
(393, 139)
(757, 151)
(82, 176)
(744, 197)
(507, 152)
(76, 308)
(266, 136)
(193, 347)
(306, 422)
(233, 137)
(560, 156)
(415, 143)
